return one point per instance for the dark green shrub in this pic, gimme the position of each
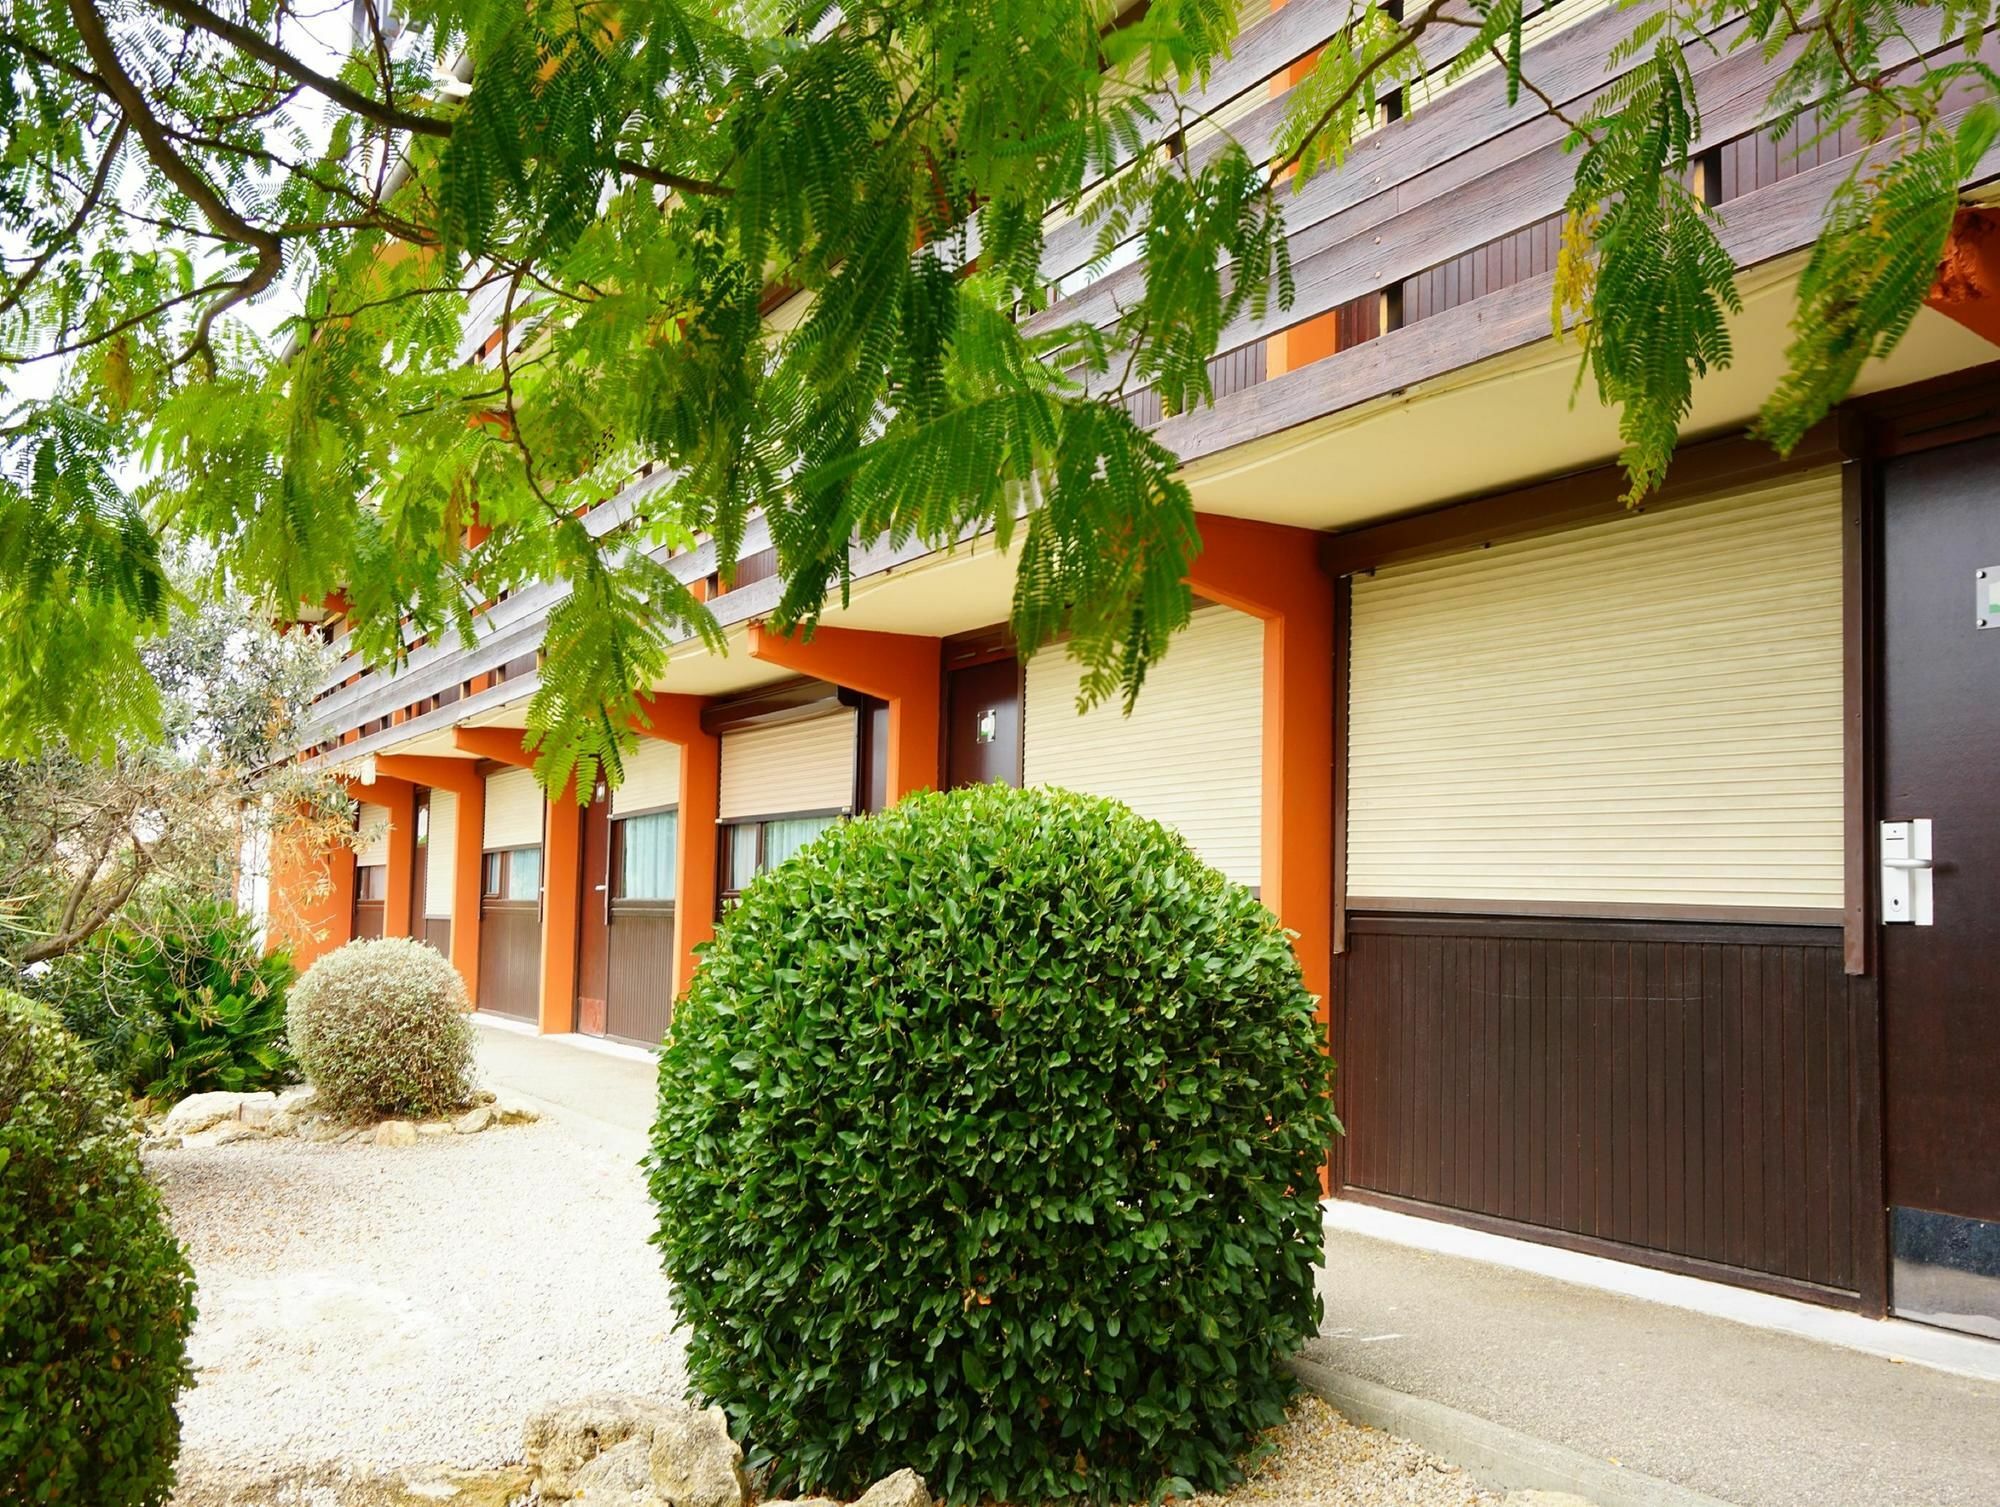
(96, 1298)
(184, 1003)
(989, 1144)
(380, 1029)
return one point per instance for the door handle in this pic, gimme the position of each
(1907, 876)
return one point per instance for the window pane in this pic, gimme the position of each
(647, 846)
(784, 838)
(524, 873)
(742, 855)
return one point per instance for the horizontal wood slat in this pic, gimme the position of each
(1647, 710)
(1697, 1095)
(441, 854)
(514, 809)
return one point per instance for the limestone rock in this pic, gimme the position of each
(514, 1112)
(904, 1489)
(395, 1133)
(236, 1130)
(622, 1474)
(558, 1442)
(696, 1463)
(198, 1112)
(806, 1502)
(432, 1128)
(298, 1099)
(473, 1120)
(257, 1109)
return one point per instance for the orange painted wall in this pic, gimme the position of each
(1273, 573)
(461, 778)
(903, 669)
(309, 928)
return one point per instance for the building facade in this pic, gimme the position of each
(1639, 859)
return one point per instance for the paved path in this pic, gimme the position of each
(1751, 1417)
(1741, 1414)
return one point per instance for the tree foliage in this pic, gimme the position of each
(136, 828)
(243, 247)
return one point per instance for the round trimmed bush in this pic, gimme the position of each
(96, 1298)
(379, 1028)
(989, 1144)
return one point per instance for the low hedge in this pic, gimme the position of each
(989, 1143)
(96, 1298)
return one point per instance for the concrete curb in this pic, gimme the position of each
(1496, 1455)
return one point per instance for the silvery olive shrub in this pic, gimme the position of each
(379, 1027)
(96, 1297)
(989, 1143)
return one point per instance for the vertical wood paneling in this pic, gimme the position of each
(510, 956)
(1685, 1090)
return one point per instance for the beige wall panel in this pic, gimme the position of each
(513, 809)
(1645, 711)
(1190, 755)
(441, 854)
(795, 766)
(372, 841)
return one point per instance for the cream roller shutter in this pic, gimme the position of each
(795, 766)
(1190, 755)
(441, 854)
(652, 778)
(371, 844)
(513, 809)
(1643, 712)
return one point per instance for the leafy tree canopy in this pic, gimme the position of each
(241, 242)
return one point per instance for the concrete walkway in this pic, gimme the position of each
(1717, 1408)
(1737, 1413)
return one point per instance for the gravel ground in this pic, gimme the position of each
(367, 1310)
(385, 1306)
(1321, 1460)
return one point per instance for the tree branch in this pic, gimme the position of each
(182, 174)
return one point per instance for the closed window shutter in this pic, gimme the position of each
(652, 778)
(513, 809)
(1190, 755)
(795, 766)
(1642, 712)
(441, 854)
(372, 843)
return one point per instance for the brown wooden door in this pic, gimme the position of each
(510, 933)
(983, 724)
(593, 939)
(1941, 983)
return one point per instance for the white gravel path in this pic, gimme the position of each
(384, 1306)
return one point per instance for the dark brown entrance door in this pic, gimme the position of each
(983, 723)
(593, 930)
(1941, 982)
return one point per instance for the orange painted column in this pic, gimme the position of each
(312, 896)
(903, 669)
(461, 778)
(1968, 280)
(562, 898)
(1272, 573)
(677, 720)
(562, 874)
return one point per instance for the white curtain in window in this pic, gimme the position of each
(784, 838)
(524, 874)
(647, 844)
